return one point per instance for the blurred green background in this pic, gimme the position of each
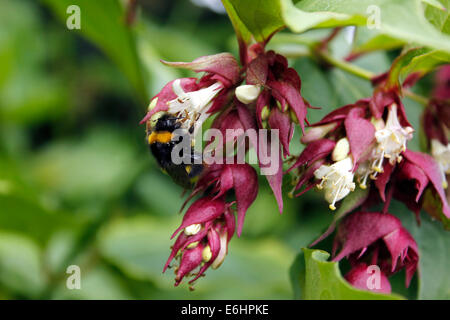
(77, 182)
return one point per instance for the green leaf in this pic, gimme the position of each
(425, 63)
(400, 63)
(433, 241)
(414, 113)
(349, 88)
(24, 210)
(103, 23)
(434, 256)
(316, 88)
(416, 60)
(259, 18)
(91, 169)
(435, 4)
(296, 273)
(168, 46)
(242, 32)
(368, 40)
(156, 185)
(320, 279)
(21, 265)
(400, 19)
(97, 284)
(439, 17)
(29, 93)
(27, 216)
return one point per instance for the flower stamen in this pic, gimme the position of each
(194, 105)
(336, 180)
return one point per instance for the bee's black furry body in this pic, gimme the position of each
(183, 174)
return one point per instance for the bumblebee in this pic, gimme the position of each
(161, 140)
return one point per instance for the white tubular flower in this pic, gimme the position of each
(193, 106)
(247, 93)
(337, 180)
(192, 229)
(441, 154)
(316, 133)
(391, 140)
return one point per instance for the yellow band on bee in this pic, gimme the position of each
(162, 137)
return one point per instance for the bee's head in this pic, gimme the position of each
(162, 121)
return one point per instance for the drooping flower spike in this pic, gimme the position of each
(377, 239)
(207, 227)
(191, 101)
(272, 91)
(354, 148)
(278, 86)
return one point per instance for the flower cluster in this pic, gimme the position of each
(373, 238)
(206, 229)
(353, 145)
(364, 145)
(270, 98)
(272, 93)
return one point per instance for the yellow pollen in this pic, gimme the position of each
(377, 169)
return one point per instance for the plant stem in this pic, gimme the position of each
(346, 66)
(416, 97)
(366, 74)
